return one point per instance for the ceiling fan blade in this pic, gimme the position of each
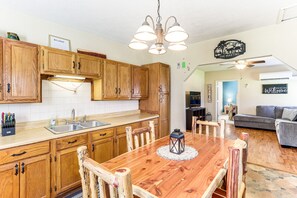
(228, 63)
(231, 67)
(250, 65)
(256, 62)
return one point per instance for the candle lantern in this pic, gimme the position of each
(177, 142)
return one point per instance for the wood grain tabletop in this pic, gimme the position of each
(168, 178)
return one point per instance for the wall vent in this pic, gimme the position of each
(287, 13)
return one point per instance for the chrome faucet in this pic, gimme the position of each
(73, 115)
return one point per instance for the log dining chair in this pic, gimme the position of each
(208, 125)
(142, 136)
(98, 181)
(235, 171)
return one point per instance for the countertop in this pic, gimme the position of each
(36, 132)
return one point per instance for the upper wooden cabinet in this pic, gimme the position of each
(21, 78)
(115, 84)
(55, 61)
(1, 70)
(140, 84)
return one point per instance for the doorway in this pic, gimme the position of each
(226, 95)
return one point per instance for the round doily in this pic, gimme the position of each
(188, 154)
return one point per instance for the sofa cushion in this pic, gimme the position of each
(265, 111)
(253, 118)
(289, 114)
(279, 111)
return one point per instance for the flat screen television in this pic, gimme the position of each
(193, 99)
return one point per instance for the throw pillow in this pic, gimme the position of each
(289, 114)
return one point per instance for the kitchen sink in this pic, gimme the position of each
(93, 123)
(75, 127)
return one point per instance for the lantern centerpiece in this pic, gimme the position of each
(177, 142)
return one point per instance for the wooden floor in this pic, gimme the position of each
(265, 150)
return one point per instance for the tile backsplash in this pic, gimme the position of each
(58, 102)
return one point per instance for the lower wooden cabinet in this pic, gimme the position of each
(102, 150)
(27, 178)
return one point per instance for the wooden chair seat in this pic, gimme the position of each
(140, 136)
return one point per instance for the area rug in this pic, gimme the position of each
(264, 182)
(261, 183)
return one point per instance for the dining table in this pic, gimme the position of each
(171, 178)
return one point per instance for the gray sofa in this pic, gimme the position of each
(270, 118)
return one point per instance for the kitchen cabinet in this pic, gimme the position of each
(121, 138)
(1, 70)
(55, 61)
(115, 84)
(25, 171)
(140, 82)
(159, 96)
(66, 163)
(102, 145)
(21, 72)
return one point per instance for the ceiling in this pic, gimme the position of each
(118, 20)
(269, 62)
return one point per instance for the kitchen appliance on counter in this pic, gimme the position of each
(7, 124)
(193, 99)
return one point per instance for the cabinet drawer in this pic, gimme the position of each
(22, 152)
(72, 141)
(97, 135)
(122, 129)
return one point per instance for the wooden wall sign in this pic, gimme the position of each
(275, 89)
(209, 93)
(229, 49)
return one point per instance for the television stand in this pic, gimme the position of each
(200, 112)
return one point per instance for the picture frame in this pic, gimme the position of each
(59, 42)
(274, 88)
(209, 93)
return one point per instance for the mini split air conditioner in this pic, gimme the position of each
(276, 75)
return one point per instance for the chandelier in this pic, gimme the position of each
(174, 35)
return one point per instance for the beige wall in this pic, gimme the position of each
(278, 40)
(195, 82)
(250, 88)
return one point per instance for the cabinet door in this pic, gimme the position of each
(164, 78)
(121, 144)
(164, 115)
(35, 177)
(89, 66)
(56, 61)
(1, 69)
(102, 150)
(124, 81)
(110, 86)
(67, 169)
(140, 78)
(22, 78)
(9, 180)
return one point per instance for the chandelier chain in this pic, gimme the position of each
(159, 18)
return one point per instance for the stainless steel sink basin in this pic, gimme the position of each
(93, 123)
(65, 128)
(75, 127)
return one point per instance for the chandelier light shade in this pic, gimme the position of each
(177, 46)
(175, 35)
(138, 45)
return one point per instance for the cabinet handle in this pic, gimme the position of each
(16, 169)
(78, 65)
(119, 90)
(103, 134)
(18, 154)
(93, 147)
(71, 142)
(116, 90)
(23, 168)
(73, 62)
(8, 88)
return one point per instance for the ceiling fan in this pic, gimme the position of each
(241, 64)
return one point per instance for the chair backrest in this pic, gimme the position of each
(208, 124)
(140, 136)
(245, 137)
(95, 180)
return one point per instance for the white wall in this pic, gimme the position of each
(278, 40)
(250, 88)
(36, 30)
